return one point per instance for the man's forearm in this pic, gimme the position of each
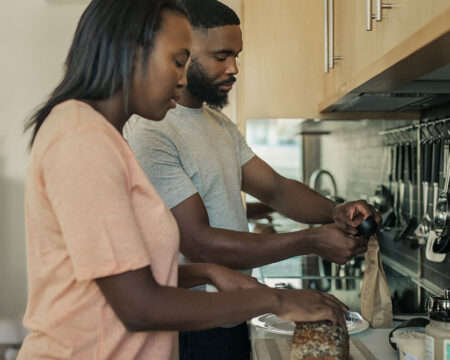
(191, 275)
(243, 250)
(258, 210)
(300, 203)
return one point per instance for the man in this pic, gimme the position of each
(199, 163)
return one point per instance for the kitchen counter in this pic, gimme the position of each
(302, 272)
(371, 344)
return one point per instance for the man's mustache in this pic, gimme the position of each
(230, 81)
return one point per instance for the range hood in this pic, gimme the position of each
(428, 91)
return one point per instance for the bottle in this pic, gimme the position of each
(437, 338)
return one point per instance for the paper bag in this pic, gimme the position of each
(376, 303)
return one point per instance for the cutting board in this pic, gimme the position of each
(280, 349)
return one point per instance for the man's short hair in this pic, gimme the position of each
(207, 14)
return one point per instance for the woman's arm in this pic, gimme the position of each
(223, 278)
(144, 305)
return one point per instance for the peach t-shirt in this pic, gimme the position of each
(90, 212)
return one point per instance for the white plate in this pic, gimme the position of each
(273, 324)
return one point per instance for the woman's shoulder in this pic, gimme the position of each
(75, 114)
(74, 119)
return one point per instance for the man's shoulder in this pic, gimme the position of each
(222, 119)
(217, 114)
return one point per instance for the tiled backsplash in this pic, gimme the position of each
(355, 155)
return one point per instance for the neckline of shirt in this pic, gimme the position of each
(188, 109)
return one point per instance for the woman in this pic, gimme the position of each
(102, 246)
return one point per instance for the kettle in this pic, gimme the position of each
(438, 307)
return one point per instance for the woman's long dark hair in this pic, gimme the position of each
(100, 59)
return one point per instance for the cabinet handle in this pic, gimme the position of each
(379, 9)
(329, 57)
(325, 36)
(331, 33)
(369, 15)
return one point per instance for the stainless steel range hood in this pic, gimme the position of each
(430, 90)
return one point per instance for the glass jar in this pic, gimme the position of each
(437, 339)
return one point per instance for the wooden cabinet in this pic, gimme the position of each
(283, 67)
(283, 42)
(406, 18)
(406, 28)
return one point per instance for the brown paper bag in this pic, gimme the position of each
(376, 303)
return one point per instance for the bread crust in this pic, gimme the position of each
(321, 340)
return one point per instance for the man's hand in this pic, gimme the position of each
(336, 243)
(225, 279)
(352, 213)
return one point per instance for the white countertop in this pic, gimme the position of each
(377, 342)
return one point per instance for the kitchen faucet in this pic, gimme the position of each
(314, 181)
(336, 270)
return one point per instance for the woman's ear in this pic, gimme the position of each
(137, 58)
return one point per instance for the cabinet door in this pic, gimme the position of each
(405, 28)
(343, 27)
(283, 58)
(406, 18)
(355, 47)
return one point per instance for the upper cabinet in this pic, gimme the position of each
(287, 44)
(380, 46)
(282, 70)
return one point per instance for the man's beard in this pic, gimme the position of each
(203, 89)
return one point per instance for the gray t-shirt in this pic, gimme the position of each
(195, 151)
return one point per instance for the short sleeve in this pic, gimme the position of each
(161, 162)
(86, 179)
(244, 151)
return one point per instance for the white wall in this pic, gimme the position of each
(35, 36)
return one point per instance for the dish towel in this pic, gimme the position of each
(280, 349)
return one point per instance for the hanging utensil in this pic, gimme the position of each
(389, 215)
(382, 199)
(409, 176)
(440, 217)
(432, 236)
(401, 223)
(398, 148)
(442, 243)
(401, 192)
(421, 232)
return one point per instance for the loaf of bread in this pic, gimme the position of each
(321, 340)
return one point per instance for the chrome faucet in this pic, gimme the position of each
(336, 270)
(315, 176)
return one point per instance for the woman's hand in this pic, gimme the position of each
(311, 305)
(225, 279)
